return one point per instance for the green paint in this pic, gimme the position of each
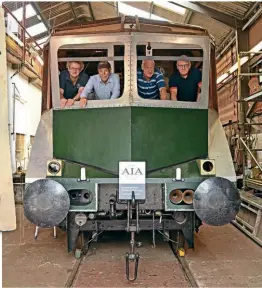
(188, 169)
(95, 137)
(164, 136)
(72, 170)
(101, 137)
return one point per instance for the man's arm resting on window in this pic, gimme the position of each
(63, 101)
(84, 93)
(61, 93)
(70, 102)
(173, 91)
(163, 95)
(88, 88)
(80, 90)
(199, 91)
(116, 87)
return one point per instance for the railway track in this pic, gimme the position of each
(104, 264)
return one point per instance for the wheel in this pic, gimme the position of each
(82, 238)
(181, 244)
(181, 239)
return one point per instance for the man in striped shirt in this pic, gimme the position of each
(150, 82)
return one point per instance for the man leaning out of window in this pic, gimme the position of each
(150, 82)
(105, 85)
(72, 82)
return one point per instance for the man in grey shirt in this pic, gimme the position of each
(106, 85)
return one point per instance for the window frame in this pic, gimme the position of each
(130, 41)
(201, 41)
(57, 42)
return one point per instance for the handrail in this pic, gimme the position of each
(8, 11)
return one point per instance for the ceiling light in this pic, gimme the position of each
(132, 11)
(170, 6)
(36, 29)
(30, 11)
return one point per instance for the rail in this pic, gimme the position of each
(7, 10)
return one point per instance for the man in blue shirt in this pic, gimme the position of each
(150, 82)
(106, 85)
(185, 84)
(72, 83)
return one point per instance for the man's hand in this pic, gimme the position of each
(83, 102)
(63, 102)
(198, 97)
(70, 102)
(163, 95)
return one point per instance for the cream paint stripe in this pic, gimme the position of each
(31, 180)
(7, 199)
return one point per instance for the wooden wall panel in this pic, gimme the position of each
(227, 105)
(255, 33)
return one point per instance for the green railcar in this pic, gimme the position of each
(130, 164)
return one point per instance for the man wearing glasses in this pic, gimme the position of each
(72, 83)
(185, 84)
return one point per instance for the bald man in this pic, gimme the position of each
(185, 84)
(150, 82)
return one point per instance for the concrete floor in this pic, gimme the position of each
(223, 257)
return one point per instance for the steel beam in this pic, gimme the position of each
(151, 8)
(52, 6)
(91, 10)
(39, 36)
(117, 9)
(242, 44)
(225, 41)
(200, 8)
(35, 5)
(73, 11)
(251, 10)
(70, 20)
(229, 44)
(253, 19)
(188, 17)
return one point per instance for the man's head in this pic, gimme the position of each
(104, 70)
(148, 67)
(183, 65)
(74, 68)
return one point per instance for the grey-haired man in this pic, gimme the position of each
(105, 85)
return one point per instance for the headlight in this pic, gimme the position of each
(54, 168)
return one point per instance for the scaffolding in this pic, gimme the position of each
(245, 138)
(249, 218)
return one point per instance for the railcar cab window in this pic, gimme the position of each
(72, 82)
(185, 83)
(104, 85)
(169, 74)
(88, 74)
